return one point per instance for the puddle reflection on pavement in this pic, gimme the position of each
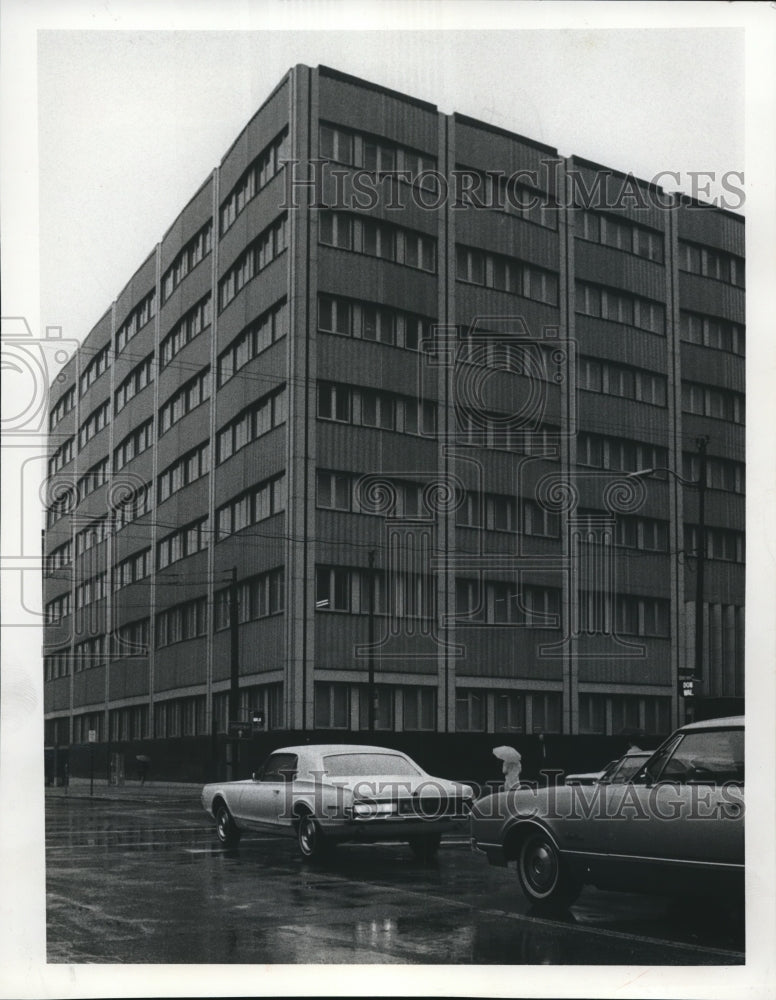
(128, 884)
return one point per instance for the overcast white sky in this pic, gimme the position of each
(131, 123)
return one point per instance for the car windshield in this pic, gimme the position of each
(628, 766)
(338, 765)
(714, 755)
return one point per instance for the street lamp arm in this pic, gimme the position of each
(694, 483)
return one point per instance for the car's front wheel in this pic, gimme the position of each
(425, 846)
(226, 830)
(311, 840)
(542, 873)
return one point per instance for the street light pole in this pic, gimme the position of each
(700, 568)
(700, 485)
(371, 642)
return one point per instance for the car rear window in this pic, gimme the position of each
(368, 764)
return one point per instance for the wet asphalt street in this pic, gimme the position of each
(146, 881)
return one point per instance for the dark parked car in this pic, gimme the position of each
(676, 827)
(622, 769)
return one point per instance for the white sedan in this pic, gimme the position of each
(328, 793)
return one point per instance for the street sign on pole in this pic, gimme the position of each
(92, 735)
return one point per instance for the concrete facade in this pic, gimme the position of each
(429, 396)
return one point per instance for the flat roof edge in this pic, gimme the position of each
(335, 74)
(498, 130)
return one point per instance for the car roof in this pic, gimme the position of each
(335, 748)
(728, 722)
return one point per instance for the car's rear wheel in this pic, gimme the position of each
(542, 873)
(310, 837)
(226, 830)
(425, 846)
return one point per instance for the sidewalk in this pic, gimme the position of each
(131, 790)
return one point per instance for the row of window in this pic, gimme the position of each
(195, 250)
(481, 602)
(721, 543)
(180, 717)
(184, 621)
(711, 331)
(140, 376)
(63, 406)
(61, 456)
(493, 189)
(135, 443)
(611, 714)
(260, 172)
(267, 246)
(619, 454)
(91, 590)
(711, 263)
(497, 512)
(619, 307)
(620, 380)
(366, 321)
(94, 533)
(485, 602)
(622, 234)
(133, 568)
(377, 238)
(710, 401)
(129, 723)
(184, 470)
(415, 709)
(94, 477)
(517, 356)
(144, 311)
(61, 556)
(184, 542)
(252, 423)
(352, 590)
(135, 506)
(191, 324)
(374, 408)
(257, 597)
(491, 429)
(251, 507)
(721, 473)
(99, 364)
(357, 149)
(184, 400)
(270, 327)
(506, 274)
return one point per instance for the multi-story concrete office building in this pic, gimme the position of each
(390, 370)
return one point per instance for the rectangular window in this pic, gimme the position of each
(470, 711)
(336, 230)
(510, 711)
(332, 706)
(332, 589)
(266, 165)
(419, 709)
(333, 490)
(334, 315)
(135, 321)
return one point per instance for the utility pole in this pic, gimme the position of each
(371, 642)
(234, 685)
(700, 568)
